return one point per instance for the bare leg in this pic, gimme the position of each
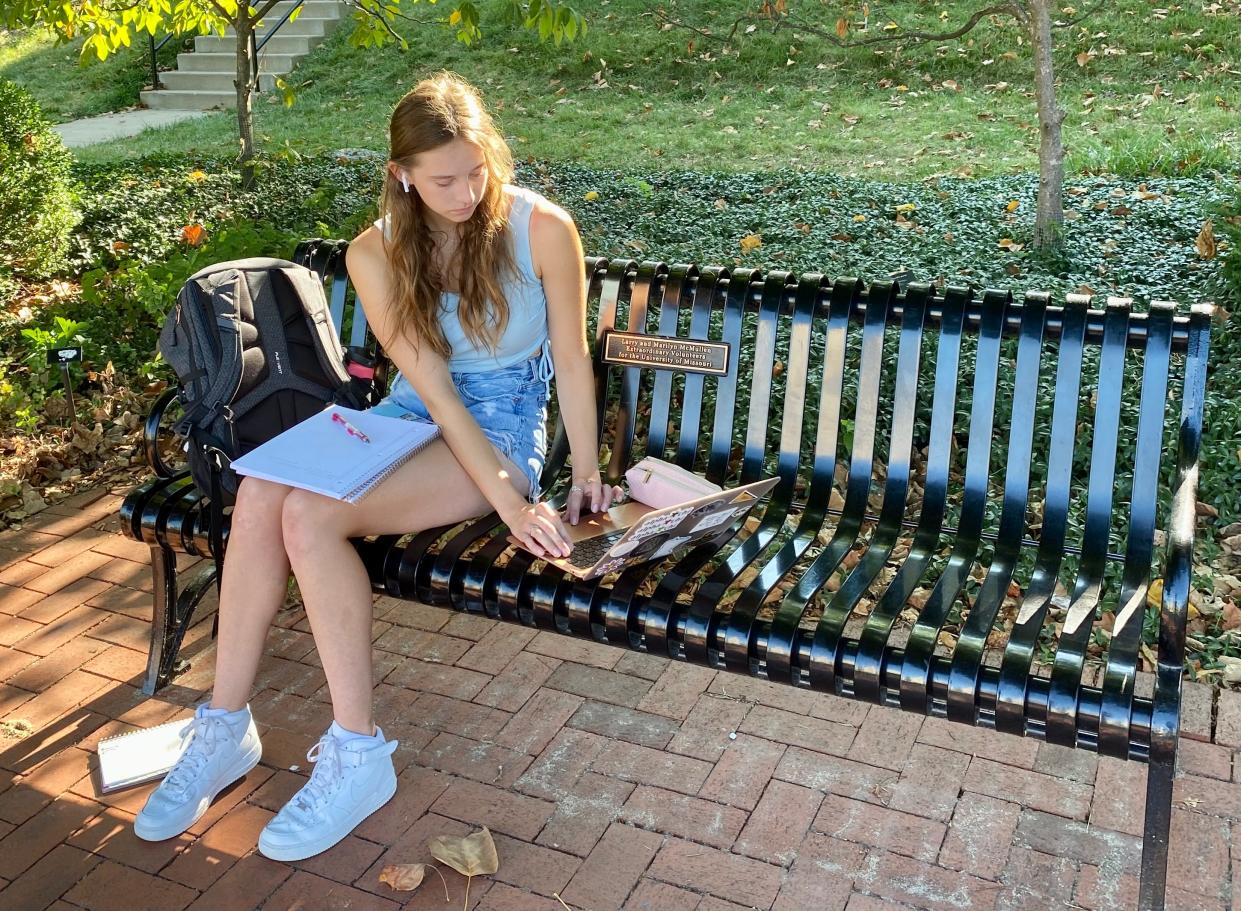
(256, 577)
(432, 489)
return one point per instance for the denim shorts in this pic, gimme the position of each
(509, 404)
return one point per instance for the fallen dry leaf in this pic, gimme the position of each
(1154, 594)
(1205, 242)
(751, 242)
(1206, 509)
(1232, 668)
(404, 877)
(471, 855)
(1149, 658)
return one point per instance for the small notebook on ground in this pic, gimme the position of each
(339, 452)
(139, 756)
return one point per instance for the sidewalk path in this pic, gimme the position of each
(92, 130)
(614, 780)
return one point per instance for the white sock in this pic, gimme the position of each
(237, 720)
(226, 714)
(352, 739)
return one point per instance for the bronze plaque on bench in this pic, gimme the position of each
(666, 352)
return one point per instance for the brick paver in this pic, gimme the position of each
(611, 780)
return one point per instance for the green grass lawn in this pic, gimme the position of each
(1157, 94)
(68, 89)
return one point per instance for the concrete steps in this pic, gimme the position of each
(204, 78)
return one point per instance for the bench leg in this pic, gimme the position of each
(171, 613)
(1156, 831)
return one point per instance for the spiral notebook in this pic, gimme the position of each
(140, 756)
(339, 452)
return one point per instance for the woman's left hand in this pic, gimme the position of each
(589, 495)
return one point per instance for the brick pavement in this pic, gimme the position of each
(612, 780)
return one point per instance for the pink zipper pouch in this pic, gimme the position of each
(660, 484)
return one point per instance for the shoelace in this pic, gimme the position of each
(204, 734)
(325, 778)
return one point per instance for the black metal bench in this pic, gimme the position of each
(1024, 445)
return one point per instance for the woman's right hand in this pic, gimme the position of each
(539, 529)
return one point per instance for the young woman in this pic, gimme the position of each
(474, 287)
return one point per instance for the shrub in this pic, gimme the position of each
(1229, 228)
(122, 310)
(36, 202)
(136, 211)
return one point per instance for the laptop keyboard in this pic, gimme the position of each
(586, 554)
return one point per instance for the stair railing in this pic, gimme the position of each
(255, 47)
(155, 49)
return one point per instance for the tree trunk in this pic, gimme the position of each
(1049, 219)
(244, 28)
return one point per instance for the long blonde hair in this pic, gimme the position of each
(435, 112)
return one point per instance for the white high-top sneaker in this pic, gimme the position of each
(349, 782)
(216, 755)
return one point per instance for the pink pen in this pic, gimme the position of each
(349, 428)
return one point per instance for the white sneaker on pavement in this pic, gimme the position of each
(218, 752)
(350, 781)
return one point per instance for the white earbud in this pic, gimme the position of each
(405, 183)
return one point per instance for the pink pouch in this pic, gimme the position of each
(658, 484)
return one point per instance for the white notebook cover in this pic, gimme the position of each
(139, 756)
(320, 455)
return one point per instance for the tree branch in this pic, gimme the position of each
(221, 10)
(1086, 15)
(970, 24)
(398, 14)
(267, 8)
(663, 18)
(399, 39)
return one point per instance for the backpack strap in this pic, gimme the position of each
(309, 289)
(222, 289)
(216, 532)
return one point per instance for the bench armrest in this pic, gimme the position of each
(151, 431)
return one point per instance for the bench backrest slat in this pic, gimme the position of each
(625, 418)
(873, 641)
(1062, 721)
(738, 284)
(762, 360)
(692, 396)
(1126, 638)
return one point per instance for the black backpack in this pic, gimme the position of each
(254, 347)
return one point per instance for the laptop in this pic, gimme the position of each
(632, 532)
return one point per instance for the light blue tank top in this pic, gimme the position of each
(526, 335)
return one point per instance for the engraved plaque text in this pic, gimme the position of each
(690, 355)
